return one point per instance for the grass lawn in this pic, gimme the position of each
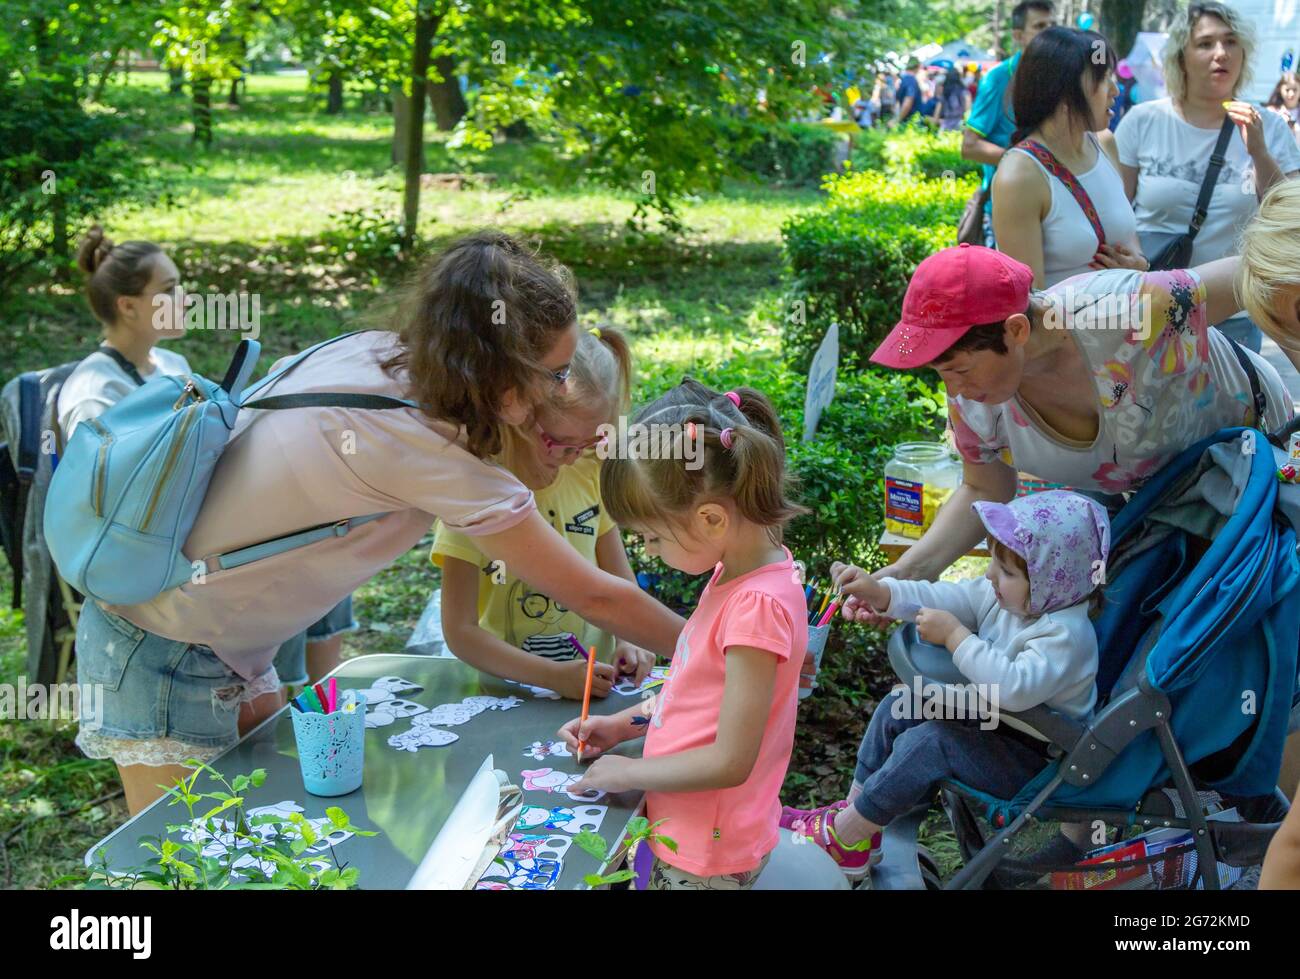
(262, 212)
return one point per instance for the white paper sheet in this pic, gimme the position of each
(454, 855)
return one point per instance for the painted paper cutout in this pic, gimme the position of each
(541, 750)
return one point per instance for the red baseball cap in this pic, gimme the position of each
(950, 292)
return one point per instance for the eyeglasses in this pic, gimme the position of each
(552, 445)
(562, 375)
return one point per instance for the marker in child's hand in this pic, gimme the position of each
(586, 701)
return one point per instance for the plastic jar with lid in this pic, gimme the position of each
(918, 480)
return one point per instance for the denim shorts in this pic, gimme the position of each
(291, 657)
(155, 688)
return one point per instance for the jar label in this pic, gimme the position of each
(903, 501)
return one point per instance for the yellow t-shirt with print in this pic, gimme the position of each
(514, 612)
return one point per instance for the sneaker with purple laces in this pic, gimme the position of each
(855, 861)
(791, 817)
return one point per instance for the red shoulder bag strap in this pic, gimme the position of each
(1053, 166)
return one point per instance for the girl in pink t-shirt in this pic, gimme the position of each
(701, 475)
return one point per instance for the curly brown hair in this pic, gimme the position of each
(477, 321)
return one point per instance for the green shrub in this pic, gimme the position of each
(839, 471)
(792, 153)
(912, 151)
(851, 258)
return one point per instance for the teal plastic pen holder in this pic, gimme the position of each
(817, 635)
(331, 748)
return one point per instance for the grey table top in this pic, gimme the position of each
(405, 796)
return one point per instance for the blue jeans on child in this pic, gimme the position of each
(902, 758)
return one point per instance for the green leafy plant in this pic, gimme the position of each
(790, 153)
(850, 259)
(269, 840)
(639, 830)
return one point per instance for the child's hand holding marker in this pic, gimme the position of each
(599, 733)
(571, 679)
(865, 598)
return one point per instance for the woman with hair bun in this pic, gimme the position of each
(134, 292)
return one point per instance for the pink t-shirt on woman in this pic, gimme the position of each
(729, 831)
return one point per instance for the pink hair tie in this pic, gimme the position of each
(725, 437)
(735, 399)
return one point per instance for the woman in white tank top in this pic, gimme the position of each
(1061, 99)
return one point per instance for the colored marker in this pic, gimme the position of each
(309, 698)
(573, 641)
(295, 705)
(320, 695)
(586, 700)
(830, 612)
(334, 694)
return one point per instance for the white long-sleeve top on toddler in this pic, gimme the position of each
(1045, 659)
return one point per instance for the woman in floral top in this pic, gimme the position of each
(1096, 383)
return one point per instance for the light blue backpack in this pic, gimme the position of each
(129, 486)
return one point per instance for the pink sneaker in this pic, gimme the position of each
(792, 817)
(855, 861)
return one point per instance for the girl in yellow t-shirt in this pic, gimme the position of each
(495, 622)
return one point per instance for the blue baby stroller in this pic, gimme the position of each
(1198, 677)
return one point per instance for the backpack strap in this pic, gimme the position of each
(325, 400)
(1053, 166)
(119, 358)
(278, 545)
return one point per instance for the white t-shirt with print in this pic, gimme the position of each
(98, 383)
(1171, 156)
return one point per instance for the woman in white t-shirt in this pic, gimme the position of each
(133, 290)
(1061, 98)
(1165, 145)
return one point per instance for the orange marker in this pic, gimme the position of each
(586, 699)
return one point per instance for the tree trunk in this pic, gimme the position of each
(59, 228)
(175, 81)
(233, 98)
(401, 126)
(202, 100)
(448, 104)
(107, 73)
(1120, 22)
(426, 27)
(334, 98)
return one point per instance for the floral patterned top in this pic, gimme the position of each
(1164, 380)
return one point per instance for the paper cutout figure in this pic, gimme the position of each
(521, 846)
(527, 874)
(391, 710)
(492, 703)
(377, 695)
(223, 839)
(447, 715)
(422, 737)
(654, 678)
(577, 819)
(541, 750)
(396, 684)
(549, 780)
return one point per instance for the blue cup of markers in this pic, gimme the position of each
(331, 747)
